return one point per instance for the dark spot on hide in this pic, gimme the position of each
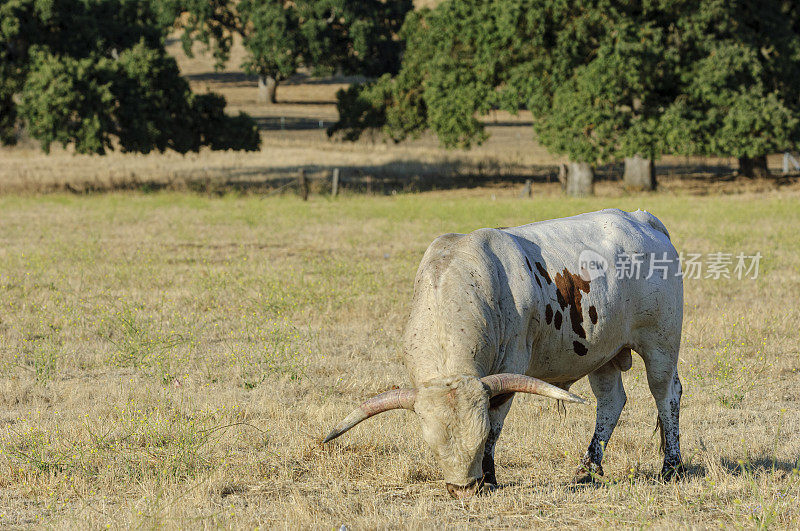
(535, 276)
(499, 400)
(543, 272)
(528, 262)
(557, 320)
(593, 314)
(501, 228)
(579, 348)
(577, 324)
(569, 287)
(548, 314)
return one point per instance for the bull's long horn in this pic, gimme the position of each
(394, 399)
(499, 384)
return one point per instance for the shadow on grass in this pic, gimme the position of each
(691, 471)
(297, 79)
(759, 465)
(237, 78)
(400, 176)
(380, 179)
(288, 123)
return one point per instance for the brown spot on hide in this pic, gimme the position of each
(528, 262)
(543, 272)
(579, 348)
(548, 314)
(451, 396)
(557, 320)
(593, 314)
(501, 228)
(568, 292)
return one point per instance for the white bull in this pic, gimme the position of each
(534, 309)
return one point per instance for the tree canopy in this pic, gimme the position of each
(604, 80)
(94, 74)
(740, 80)
(280, 36)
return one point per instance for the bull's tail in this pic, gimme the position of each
(660, 428)
(648, 218)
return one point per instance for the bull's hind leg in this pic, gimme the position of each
(607, 387)
(662, 377)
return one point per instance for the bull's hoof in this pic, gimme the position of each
(588, 471)
(673, 472)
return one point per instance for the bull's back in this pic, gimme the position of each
(587, 314)
(565, 322)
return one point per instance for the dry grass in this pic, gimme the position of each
(173, 360)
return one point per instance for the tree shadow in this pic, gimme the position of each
(222, 77)
(379, 179)
(501, 123)
(398, 176)
(307, 79)
(304, 102)
(296, 79)
(696, 171)
(288, 123)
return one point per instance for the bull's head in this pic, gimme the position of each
(454, 414)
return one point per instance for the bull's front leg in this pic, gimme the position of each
(607, 387)
(498, 409)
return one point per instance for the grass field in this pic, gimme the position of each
(174, 360)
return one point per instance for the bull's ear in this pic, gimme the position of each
(394, 399)
(498, 384)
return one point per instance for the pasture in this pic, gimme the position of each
(174, 360)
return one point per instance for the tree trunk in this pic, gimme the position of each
(267, 87)
(580, 178)
(640, 173)
(755, 167)
(562, 176)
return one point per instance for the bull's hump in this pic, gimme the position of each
(639, 220)
(460, 248)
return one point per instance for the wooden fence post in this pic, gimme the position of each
(302, 184)
(335, 182)
(527, 191)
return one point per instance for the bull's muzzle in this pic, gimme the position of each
(467, 491)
